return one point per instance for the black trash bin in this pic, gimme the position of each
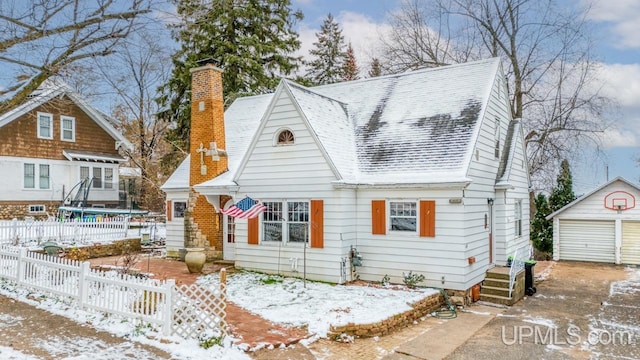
(529, 287)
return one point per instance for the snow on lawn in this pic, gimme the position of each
(319, 305)
(628, 286)
(7, 353)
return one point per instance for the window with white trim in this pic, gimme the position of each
(496, 151)
(44, 176)
(403, 216)
(67, 128)
(518, 218)
(37, 209)
(286, 222)
(45, 126)
(33, 172)
(108, 178)
(97, 178)
(84, 172)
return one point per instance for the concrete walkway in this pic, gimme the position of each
(442, 340)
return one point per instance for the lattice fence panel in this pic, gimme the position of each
(198, 310)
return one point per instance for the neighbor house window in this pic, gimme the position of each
(44, 176)
(518, 218)
(68, 128)
(285, 137)
(403, 216)
(45, 126)
(37, 209)
(29, 176)
(286, 221)
(84, 172)
(108, 178)
(179, 207)
(97, 178)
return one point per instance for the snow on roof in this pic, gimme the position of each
(420, 122)
(179, 180)
(411, 128)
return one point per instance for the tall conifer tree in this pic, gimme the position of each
(376, 68)
(253, 40)
(562, 194)
(351, 69)
(328, 54)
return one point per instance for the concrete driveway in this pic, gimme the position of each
(580, 311)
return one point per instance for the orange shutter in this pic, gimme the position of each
(169, 210)
(317, 224)
(427, 218)
(378, 217)
(252, 231)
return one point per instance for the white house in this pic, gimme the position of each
(423, 171)
(602, 225)
(51, 142)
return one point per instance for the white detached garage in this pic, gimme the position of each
(600, 226)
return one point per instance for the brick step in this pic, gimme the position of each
(497, 299)
(491, 290)
(502, 283)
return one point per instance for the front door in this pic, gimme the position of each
(229, 236)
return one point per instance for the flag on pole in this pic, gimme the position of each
(246, 208)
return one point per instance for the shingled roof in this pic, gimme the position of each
(416, 127)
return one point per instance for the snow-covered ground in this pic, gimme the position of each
(318, 305)
(281, 300)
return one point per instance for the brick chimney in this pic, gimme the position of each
(207, 123)
(203, 226)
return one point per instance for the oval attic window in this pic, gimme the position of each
(285, 137)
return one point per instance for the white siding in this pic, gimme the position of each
(483, 171)
(293, 172)
(442, 256)
(175, 226)
(592, 208)
(63, 175)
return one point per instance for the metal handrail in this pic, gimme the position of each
(517, 264)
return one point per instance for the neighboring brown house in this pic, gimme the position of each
(48, 145)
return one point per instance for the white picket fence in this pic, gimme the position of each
(34, 232)
(179, 310)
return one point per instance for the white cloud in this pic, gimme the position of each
(625, 16)
(363, 32)
(622, 84)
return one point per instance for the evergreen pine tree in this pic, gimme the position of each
(253, 41)
(562, 194)
(351, 69)
(329, 57)
(376, 68)
(541, 228)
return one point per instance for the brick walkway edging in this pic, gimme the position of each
(420, 309)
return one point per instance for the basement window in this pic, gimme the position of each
(37, 209)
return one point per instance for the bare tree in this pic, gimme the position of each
(546, 54)
(39, 38)
(135, 72)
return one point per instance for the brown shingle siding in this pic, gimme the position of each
(20, 137)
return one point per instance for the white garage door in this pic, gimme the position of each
(630, 252)
(587, 240)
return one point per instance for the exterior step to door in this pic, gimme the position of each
(495, 287)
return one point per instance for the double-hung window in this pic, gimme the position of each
(45, 126)
(518, 218)
(108, 178)
(39, 172)
(97, 178)
(403, 216)
(286, 221)
(67, 128)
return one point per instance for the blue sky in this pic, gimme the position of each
(617, 46)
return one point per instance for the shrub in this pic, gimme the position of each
(411, 279)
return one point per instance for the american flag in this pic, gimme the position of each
(246, 208)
